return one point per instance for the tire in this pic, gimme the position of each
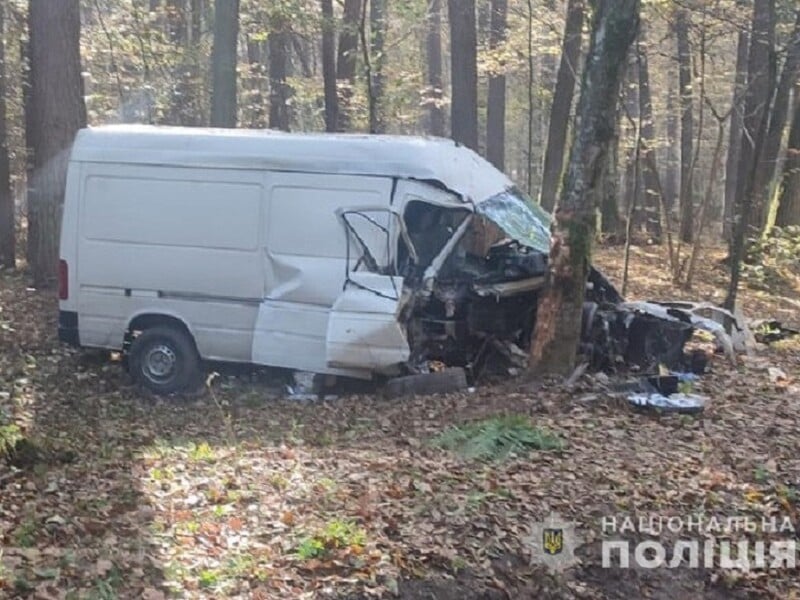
(164, 360)
(425, 384)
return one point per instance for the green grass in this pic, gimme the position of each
(335, 535)
(497, 438)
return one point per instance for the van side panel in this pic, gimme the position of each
(175, 241)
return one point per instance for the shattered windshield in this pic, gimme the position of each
(519, 217)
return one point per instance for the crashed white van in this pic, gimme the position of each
(338, 254)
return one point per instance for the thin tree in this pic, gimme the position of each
(765, 175)
(7, 245)
(329, 66)
(562, 104)
(789, 205)
(735, 136)
(559, 314)
(496, 100)
(377, 59)
(464, 72)
(223, 63)
(682, 24)
(760, 81)
(278, 42)
(55, 111)
(433, 51)
(650, 176)
(346, 61)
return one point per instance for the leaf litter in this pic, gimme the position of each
(234, 493)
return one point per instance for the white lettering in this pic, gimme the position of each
(646, 562)
(624, 553)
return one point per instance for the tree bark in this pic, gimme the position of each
(559, 315)
(768, 162)
(346, 61)
(672, 183)
(435, 85)
(377, 23)
(223, 63)
(463, 72)
(685, 81)
(7, 241)
(279, 92)
(650, 177)
(496, 100)
(735, 138)
(760, 77)
(55, 112)
(329, 66)
(562, 104)
(789, 206)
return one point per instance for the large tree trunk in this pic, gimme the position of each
(329, 66)
(685, 81)
(496, 101)
(735, 138)
(562, 104)
(223, 63)
(760, 78)
(7, 245)
(55, 112)
(464, 72)
(559, 315)
(435, 83)
(346, 61)
(789, 207)
(377, 23)
(650, 177)
(278, 42)
(768, 162)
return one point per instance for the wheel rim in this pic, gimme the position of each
(160, 363)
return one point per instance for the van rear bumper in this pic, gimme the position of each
(68, 327)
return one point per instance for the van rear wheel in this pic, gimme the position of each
(164, 360)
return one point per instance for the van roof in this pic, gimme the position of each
(456, 167)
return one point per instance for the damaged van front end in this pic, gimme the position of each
(463, 291)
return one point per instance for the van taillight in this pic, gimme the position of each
(63, 280)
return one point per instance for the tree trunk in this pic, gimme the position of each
(789, 207)
(184, 107)
(496, 101)
(735, 139)
(55, 112)
(559, 315)
(463, 72)
(672, 183)
(377, 22)
(254, 113)
(7, 242)
(279, 92)
(685, 81)
(760, 77)
(650, 177)
(768, 162)
(346, 61)
(329, 66)
(435, 84)
(562, 104)
(223, 63)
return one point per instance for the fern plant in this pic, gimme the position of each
(498, 437)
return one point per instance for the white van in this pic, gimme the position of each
(340, 254)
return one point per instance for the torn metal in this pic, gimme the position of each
(463, 291)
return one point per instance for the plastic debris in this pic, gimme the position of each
(678, 402)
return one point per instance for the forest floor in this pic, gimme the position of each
(238, 493)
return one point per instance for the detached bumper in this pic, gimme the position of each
(68, 327)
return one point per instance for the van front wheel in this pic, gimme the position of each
(164, 360)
